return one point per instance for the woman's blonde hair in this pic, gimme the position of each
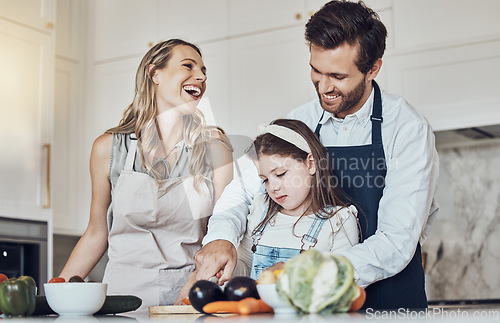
(140, 116)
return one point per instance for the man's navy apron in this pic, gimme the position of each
(360, 171)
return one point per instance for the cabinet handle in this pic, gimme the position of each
(49, 25)
(46, 147)
(298, 16)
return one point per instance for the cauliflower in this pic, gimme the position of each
(315, 282)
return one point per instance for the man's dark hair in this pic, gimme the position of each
(339, 22)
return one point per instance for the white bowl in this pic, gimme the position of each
(75, 298)
(268, 294)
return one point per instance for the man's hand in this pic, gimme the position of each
(216, 257)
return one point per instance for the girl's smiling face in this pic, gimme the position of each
(181, 84)
(288, 181)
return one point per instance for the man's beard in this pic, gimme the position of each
(348, 101)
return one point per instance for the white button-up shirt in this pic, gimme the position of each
(407, 208)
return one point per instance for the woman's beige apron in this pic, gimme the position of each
(156, 231)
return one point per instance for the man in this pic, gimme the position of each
(383, 156)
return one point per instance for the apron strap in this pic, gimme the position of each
(319, 125)
(129, 162)
(376, 117)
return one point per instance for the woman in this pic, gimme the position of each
(155, 179)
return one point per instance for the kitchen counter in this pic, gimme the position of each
(467, 313)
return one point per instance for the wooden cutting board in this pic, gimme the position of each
(172, 309)
(179, 310)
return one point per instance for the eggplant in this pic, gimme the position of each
(240, 287)
(203, 292)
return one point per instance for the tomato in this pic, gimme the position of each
(2, 278)
(76, 279)
(57, 280)
(359, 301)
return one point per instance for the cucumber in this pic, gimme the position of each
(119, 304)
(113, 304)
(42, 307)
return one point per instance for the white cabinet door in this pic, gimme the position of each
(123, 28)
(455, 87)
(270, 76)
(69, 162)
(70, 29)
(208, 21)
(430, 23)
(216, 59)
(36, 13)
(258, 15)
(446, 66)
(26, 91)
(113, 88)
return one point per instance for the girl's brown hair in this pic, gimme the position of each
(324, 190)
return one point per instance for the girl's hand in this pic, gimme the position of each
(185, 289)
(278, 265)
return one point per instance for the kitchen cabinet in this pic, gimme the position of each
(122, 28)
(454, 87)
(217, 109)
(262, 15)
(113, 90)
(207, 23)
(70, 157)
(70, 216)
(446, 66)
(447, 22)
(70, 41)
(39, 14)
(269, 76)
(117, 36)
(26, 89)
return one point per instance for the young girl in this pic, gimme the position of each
(155, 179)
(301, 206)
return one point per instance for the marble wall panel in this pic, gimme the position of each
(463, 250)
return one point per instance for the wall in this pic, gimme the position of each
(462, 251)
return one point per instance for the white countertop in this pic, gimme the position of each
(438, 314)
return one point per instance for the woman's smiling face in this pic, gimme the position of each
(182, 82)
(288, 181)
